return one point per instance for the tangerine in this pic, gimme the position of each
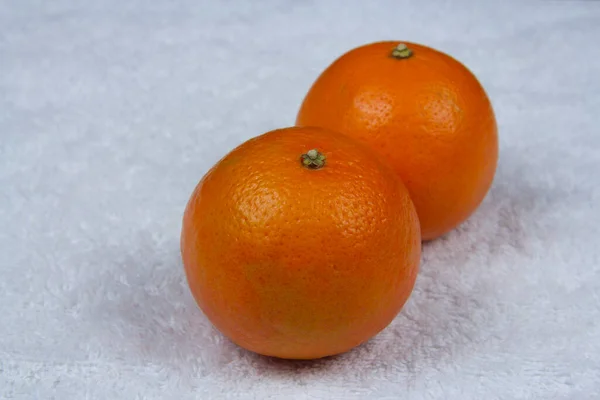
(422, 111)
(300, 243)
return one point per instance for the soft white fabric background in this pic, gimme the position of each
(110, 112)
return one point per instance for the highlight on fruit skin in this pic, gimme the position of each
(295, 260)
(424, 113)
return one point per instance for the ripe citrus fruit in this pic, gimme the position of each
(300, 243)
(422, 111)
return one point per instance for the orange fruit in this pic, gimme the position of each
(423, 112)
(300, 243)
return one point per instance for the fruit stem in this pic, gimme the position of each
(313, 159)
(401, 51)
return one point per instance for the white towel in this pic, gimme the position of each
(110, 113)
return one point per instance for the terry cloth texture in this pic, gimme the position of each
(110, 113)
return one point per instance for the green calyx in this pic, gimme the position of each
(401, 51)
(313, 159)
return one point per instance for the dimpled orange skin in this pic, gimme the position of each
(427, 115)
(300, 263)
